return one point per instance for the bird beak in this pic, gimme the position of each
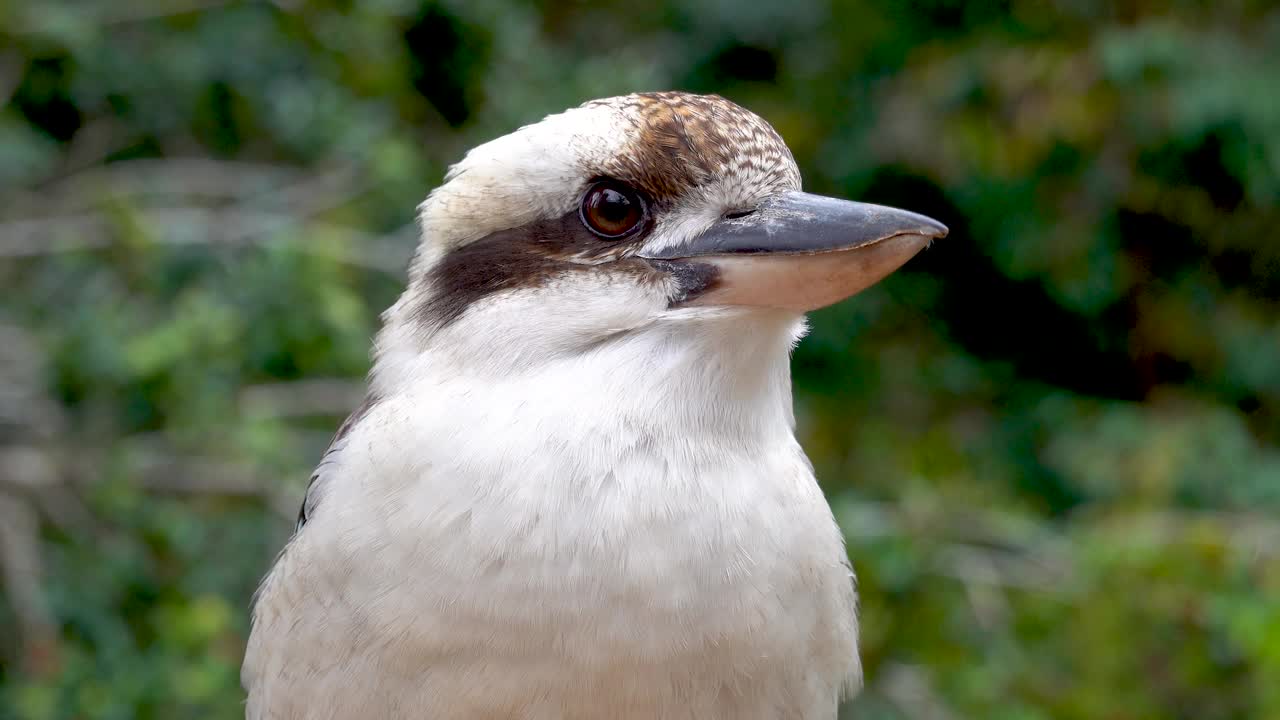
(801, 252)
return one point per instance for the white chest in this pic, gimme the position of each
(506, 552)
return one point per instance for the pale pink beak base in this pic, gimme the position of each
(804, 282)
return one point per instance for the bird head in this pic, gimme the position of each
(650, 213)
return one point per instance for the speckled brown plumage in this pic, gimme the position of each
(683, 141)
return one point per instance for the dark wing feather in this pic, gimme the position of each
(319, 477)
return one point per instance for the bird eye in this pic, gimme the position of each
(611, 210)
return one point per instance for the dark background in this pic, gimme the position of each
(1051, 439)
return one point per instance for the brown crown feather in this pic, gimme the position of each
(683, 141)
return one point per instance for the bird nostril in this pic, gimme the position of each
(735, 214)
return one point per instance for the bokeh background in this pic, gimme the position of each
(1051, 439)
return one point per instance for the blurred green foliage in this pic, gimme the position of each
(1051, 439)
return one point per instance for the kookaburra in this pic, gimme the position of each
(574, 491)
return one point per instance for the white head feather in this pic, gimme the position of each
(698, 157)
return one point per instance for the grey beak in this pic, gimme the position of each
(803, 223)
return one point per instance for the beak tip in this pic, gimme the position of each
(934, 229)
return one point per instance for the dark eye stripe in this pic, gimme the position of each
(521, 257)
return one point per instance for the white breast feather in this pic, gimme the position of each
(639, 543)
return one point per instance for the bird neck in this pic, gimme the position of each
(725, 375)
